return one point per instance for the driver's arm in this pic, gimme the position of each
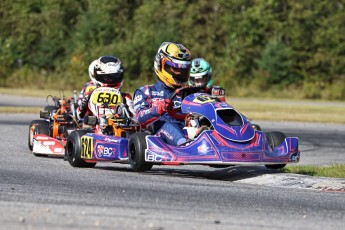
(144, 111)
(82, 109)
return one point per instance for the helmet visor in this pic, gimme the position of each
(200, 80)
(109, 79)
(179, 72)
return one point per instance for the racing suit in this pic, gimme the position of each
(88, 87)
(167, 124)
(83, 108)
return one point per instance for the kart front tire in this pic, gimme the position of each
(275, 138)
(32, 127)
(220, 166)
(136, 149)
(73, 150)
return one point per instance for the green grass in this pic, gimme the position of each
(293, 110)
(335, 171)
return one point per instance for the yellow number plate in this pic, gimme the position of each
(87, 147)
(110, 98)
(203, 99)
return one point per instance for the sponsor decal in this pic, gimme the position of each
(104, 150)
(203, 149)
(156, 93)
(177, 104)
(49, 142)
(137, 98)
(224, 105)
(156, 101)
(58, 150)
(110, 139)
(107, 89)
(145, 112)
(136, 107)
(154, 157)
(42, 137)
(99, 150)
(165, 132)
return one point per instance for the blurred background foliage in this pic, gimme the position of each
(257, 48)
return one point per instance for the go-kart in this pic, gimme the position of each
(220, 136)
(106, 139)
(48, 135)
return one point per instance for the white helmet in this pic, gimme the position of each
(107, 71)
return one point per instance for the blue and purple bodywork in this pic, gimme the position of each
(231, 140)
(99, 147)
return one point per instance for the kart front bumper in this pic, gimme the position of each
(46, 145)
(210, 150)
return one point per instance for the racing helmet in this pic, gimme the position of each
(200, 73)
(107, 71)
(172, 64)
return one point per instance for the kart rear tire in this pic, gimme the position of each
(73, 150)
(31, 130)
(136, 152)
(275, 138)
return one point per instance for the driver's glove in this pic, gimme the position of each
(163, 106)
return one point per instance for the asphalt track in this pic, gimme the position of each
(47, 193)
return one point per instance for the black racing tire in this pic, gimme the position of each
(220, 166)
(73, 150)
(32, 127)
(275, 138)
(136, 152)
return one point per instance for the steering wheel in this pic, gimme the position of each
(184, 92)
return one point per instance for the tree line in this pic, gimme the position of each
(268, 48)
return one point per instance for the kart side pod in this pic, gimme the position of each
(103, 147)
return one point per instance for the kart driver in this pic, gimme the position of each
(106, 71)
(172, 65)
(201, 76)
